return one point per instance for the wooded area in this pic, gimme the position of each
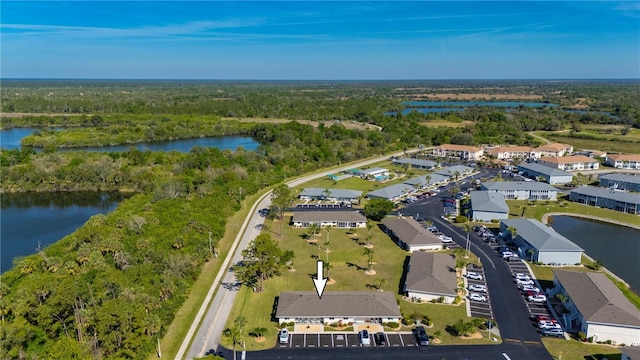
(110, 289)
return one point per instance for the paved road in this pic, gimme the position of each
(214, 316)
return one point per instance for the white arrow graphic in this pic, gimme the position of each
(319, 282)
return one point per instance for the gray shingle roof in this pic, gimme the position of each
(627, 178)
(630, 198)
(517, 185)
(422, 180)
(432, 273)
(328, 216)
(488, 201)
(451, 170)
(338, 304)
(416, 162)
(546, 170)
(410, 231)
(391, 191)
(597, 298)
(337, 193)
(541, 236)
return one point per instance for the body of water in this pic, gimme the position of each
(35, 220)
(617, 247)
(476, 103)
(10, 139)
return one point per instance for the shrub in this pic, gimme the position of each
(391, 324)
(461, 219)
(581, 336)
(495, 221)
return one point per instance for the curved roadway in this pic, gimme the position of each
(213, 314)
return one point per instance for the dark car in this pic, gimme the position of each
(380, 339)
(421, 336)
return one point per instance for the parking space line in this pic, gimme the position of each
(401, 341)
(332, 343)
(304, 337)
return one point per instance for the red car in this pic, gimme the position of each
(540, 318)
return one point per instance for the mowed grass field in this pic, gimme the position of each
(348, 261)
(614, 143)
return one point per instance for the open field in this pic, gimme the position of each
(614, 146)
(575, 350)
(452, 124)
(475, 96)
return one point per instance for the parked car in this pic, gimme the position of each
(508, 254)
(522, 276)
(477, 297)
(552, 332)
(542, 318)
(477, 287)
(364, 337)
(421, 336)
(549, 325)
(526, 288)
(283, 336)
(473, 275)
(380, 339)
(537, 298)
(524, 282)
(445, 239)
(530, 293)
(432, 228)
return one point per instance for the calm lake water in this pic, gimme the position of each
(10, 139)
(476, 103)
(39, 219)
(617, 247)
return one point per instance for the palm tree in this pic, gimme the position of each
(313, 229)
(328, 267)
(369, 236)
(233, 334)
(513, 231)
(379, 283)
(531, 252)
(524, 209)
(369, 253)
(468, 228)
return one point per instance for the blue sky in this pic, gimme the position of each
(320, 40)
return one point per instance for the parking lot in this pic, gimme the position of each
(534, 308)
(337, 340)
(478, 308)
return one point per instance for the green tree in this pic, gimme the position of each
(281, 198)
(369, 254)
(468, 228)
(377, 209)
(235, 334)
(263, 259)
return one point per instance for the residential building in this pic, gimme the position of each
(335, 218)
(570, 163)
(431, 276)
(548, 174)
(488, 205)
(597, 307)
(462, 151)
(410, 235)
(628, 182)
(375, 173)
(510, 152)
(522, 190)
(623, 161)
(606, 198)
(356, 307)
(392, 192)
(345, 195)
(416, 163)
(553, 150)
(455, 172)
(538, 242)
(426, 181)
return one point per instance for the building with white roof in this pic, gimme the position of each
(330, 194)
(416, 163)
(392, 192)
(570, 163)
(462, 151)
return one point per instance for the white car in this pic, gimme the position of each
(473, 275)
(506, 254)
(538, 298)
(549, 325)
(445, 238)
(522, 276)
(365, 338)
(477, 287)
(524, 282)
(526, 288)
(477, 297)
(283, 336)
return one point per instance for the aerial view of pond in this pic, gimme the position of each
(617, 247)
(10, 139)
(35, 220)
(475, 103)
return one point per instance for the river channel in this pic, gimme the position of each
(617, 247)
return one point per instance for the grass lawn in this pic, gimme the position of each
(612, 145)
(576, 350)
(348, 270)
(536, 209)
